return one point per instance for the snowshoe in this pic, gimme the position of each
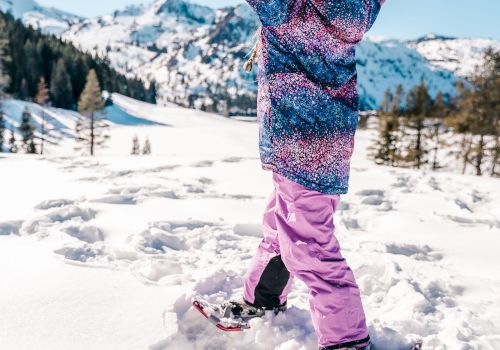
(232, 315)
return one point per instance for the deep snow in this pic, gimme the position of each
(105, 252)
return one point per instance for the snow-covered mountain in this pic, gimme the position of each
(195, 54)
(48, 19)
(383, 64)
(458, 55)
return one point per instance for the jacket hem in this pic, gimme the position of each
(331, 190)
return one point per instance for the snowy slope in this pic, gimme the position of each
(105, 252)
(48, 19)
(60, 124)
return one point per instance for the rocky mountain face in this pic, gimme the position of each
(195, 53)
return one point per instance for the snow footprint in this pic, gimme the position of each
(85, 233)
(157, 241)
(54, 203)
(56, 219)
(421, 253)
(84, 254)
(127, 195)
(10, 228)
(375, 198)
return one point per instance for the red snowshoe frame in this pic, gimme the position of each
(217, 324)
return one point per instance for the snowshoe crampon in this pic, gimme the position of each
(230, 316)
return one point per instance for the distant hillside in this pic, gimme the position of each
(31, 55)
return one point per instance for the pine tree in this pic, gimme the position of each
(12, 142)
(146, 149)
(27, 131)
(32, 74)
(397, 101)
(418, 107)
(387, 101)
(5, 58)
(91, 125)
(385, 146)
(491, 93)
(460, 121)
(41, 99)
(24, 93)
(2, 130)
(438, 116)
(32, 147)
(61, 88)
(152, 92)
(397, 111)
(136, 147)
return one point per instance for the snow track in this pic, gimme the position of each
(108, 252)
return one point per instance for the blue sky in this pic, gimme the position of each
(399, 19)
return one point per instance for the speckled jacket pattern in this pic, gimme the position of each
(308, 99)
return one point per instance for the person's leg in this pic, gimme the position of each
(310, 251)
(268, 282)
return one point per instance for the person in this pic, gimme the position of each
(308, 114)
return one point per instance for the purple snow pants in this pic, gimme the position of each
(299, 242)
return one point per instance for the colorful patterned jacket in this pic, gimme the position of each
(308, 99)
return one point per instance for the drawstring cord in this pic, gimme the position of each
(248, 66)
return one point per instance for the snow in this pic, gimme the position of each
(106, 251)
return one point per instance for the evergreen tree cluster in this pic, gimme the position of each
(412, 134)
(27, 55)
(136, 147)
(27, 131)
(90, 127)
